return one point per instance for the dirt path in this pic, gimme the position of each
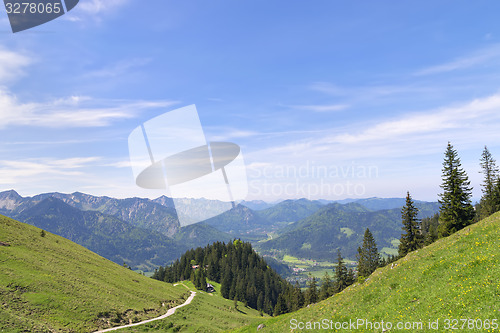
(169, 313)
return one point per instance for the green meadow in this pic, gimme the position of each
(208, 312)
(452, 283)
(52, 284)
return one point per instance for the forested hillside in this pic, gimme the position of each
(242, 273)
(338, 226)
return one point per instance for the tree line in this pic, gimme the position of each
(456, 211)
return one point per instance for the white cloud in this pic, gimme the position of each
(121, 67)
(321, 108)
(479, 57)
(73, 111)
(455, 117)
(15, 172)
(386, 143)
(368, 92)
(327, 88)
(94, 7)
(12, 65)
(93, 10)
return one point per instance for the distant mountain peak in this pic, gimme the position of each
(10, 194)
(10, 199)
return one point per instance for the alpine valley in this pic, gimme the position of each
(144, 234)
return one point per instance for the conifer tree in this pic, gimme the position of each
(368, 256)
(489, 203)
(280, 307)
(341, 279)
(312, 291)
(411, 238)
(298, 297)
(326, 289)
(260, 301)
(456, 209)
(351, 277)
(429, 227)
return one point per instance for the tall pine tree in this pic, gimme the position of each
(411, 238)
(429, 227)
(312, 292)
(368, 256)
(489, 203)
(341, 276)
(326, 289)
(456, 209)
(280, 307)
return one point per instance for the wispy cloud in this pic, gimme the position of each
(369, 92)
(99, 6)
(472, 123)
(73, 111)
(484, 110)
(119, 68)
(93, 9)
(321, 108)
(13, 172)
(479, 57)
(12, 65)
(327, 88)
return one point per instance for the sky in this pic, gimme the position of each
(326, 99)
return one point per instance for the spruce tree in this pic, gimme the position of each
(489, 203)
(351, 277)
(312, 291)
(341, 278)
(456, 209)
(260, 301)
(298, 297)
(280, 307)
(429, 227)
(326, 288)
(368, 256)
(411, 238)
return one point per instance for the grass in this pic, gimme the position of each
(349, 232)
(299, 262)
(319, 274)
(206, 313)
(389, 251)
(52, 284)
(306, 246)
(455, 278)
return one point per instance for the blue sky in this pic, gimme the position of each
(327, 99)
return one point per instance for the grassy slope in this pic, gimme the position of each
(51, 283)
(454, 278)
(206, 313)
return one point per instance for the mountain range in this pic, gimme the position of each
(341, 227)
(145, 233)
